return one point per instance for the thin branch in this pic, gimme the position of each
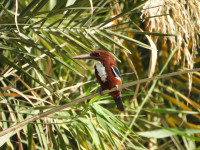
(16, 9)
(44, 114)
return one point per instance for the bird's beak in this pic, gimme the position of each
(87, 56)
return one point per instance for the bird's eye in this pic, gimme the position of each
(95, 54)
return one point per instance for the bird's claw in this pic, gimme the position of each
(100, 92)
(117, 87)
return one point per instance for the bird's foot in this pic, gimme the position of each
(100, 92)
(117, 87)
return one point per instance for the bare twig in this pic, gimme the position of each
(44, 114)
(16, 9)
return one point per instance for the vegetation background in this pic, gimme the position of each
(38, 39)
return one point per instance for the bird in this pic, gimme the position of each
(107, 73)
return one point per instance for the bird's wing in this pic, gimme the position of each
(115, 71)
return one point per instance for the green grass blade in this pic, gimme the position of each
(130, 39)
(53, 139)
(30, 136)
(27, 10)
(111, 39)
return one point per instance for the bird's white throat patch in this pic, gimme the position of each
(101, 71)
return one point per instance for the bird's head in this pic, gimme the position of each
(100, 55)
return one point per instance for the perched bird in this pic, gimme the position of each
(106, 73)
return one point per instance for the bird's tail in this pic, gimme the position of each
(119, 103)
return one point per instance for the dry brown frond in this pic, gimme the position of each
(183, 19)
